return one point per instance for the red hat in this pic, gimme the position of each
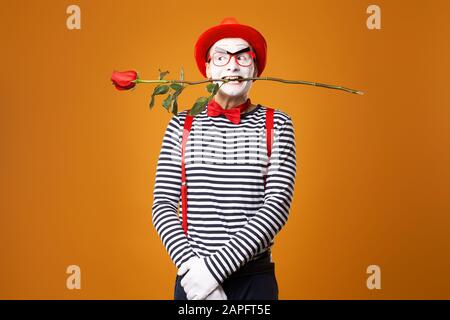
(230, 28)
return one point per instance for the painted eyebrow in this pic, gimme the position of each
(222, 50)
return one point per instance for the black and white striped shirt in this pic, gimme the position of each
(232, 218)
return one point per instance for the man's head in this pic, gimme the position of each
(230, 28)
(231, 57)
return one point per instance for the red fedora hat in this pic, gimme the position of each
(230, 28)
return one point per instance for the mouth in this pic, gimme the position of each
(236, 79)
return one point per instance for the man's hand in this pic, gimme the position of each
(217, 294)
(198, 282)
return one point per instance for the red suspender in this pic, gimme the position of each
(187, 129)
(269, 136)
(269, 130)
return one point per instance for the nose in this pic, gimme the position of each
(233, 65)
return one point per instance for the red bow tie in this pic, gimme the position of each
(233, 114)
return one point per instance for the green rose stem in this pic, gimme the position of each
(170, 103)
(316, 84)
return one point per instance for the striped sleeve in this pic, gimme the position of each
(260, 230)
(166, 195)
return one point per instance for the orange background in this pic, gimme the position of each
(78, 157)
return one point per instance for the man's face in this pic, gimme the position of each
(213, 71)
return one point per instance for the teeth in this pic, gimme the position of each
(231, 78)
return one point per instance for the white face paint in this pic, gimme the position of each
(234, 88)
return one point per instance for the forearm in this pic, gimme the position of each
(248, 241)
(168, 226)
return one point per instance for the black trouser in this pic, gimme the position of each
(254, 281)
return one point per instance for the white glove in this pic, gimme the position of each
(185, 266)
(217, 294)
(198, 282)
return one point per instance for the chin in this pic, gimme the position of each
(233, 93)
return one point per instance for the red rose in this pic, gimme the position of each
(124, 80)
